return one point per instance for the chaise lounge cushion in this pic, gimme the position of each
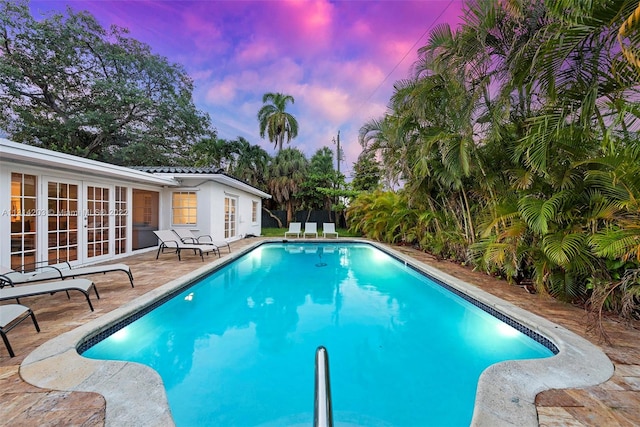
(11, 315)
(310, 228)
(329, 228)
(169, 240)
(23, 291)
(60, 271)
(187, 236)
(295, 228)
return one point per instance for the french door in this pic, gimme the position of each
(97, 221)
(230, 217)
(81, 220)
(63, 234)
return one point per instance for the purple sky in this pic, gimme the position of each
(338, 59)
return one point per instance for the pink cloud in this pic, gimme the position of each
(283, 75)
(300, 28)
(221, 93)
(256, 51)
(314, 17)
(361, 29)
(356, 76)
(326, 103)
(335, 57)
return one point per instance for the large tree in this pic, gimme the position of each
(366, 172)
(274, 121)
(321, 177)
(68, 84)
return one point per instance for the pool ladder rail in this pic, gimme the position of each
(322, 413)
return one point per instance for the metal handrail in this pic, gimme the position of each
(322, 414)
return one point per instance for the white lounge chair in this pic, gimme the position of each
(294, 228)
(329, 228)
(11, 315)
(170, 240)
(187, 236)
(60, 271)
(310, 228)
(23, 291)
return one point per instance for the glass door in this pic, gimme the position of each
(62, 221)
(97, 221)
(145, 218)
(229, 217)
(24, 217)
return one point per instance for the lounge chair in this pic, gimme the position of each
(11, 315)
(310, 228)
(23, 291)
(329, 228)
(187, 236)
(9, 277)
(294, 228)
(61, 271)
(170, 240)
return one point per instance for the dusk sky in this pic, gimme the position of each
(338, 59)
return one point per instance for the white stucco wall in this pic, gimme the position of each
(43, 177)
(211, 214)
(48, 166)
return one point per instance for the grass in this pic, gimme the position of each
(279, 232)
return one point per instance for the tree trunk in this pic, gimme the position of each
(273, 216)
(289, 211)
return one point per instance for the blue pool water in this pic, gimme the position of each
(238, 347)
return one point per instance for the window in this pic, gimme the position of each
(254, 212)
(229, 217)
(184, 206)
(23, 219)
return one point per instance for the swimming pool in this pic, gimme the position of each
(398, 341)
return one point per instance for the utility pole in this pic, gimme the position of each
(338, 158)
(338, 152)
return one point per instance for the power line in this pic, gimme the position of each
(403, 58)
(399, 62)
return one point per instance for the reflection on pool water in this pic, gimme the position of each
(237, 348)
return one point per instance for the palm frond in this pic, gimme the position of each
(538, 213)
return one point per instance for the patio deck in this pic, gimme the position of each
(613, 403)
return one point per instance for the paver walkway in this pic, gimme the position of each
(613, 403)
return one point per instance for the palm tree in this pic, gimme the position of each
(519, 131)
(275, 122)
(214, 152)
(287, 172)
(251, 163)
(381, 137)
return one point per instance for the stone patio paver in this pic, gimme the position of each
(613, 403)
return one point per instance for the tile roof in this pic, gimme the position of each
(206, 170)
(178, 169)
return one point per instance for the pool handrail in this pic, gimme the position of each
(322, 414)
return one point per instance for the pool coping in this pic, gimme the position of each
(135, 395)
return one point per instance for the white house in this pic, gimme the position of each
(58, 207)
